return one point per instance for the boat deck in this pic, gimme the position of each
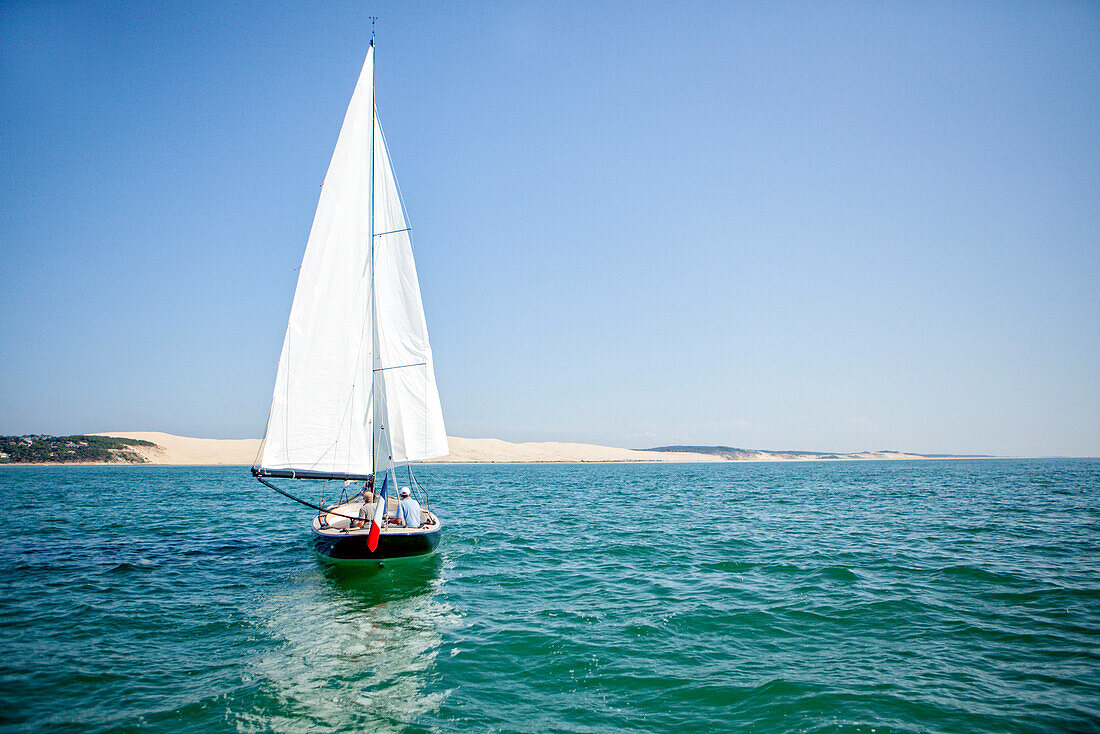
(337, 525)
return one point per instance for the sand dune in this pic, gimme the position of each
(184, 450)
(171, 449)
(492, 450)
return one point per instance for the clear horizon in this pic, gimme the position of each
(823, 227)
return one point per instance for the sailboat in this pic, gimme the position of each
(355, 400)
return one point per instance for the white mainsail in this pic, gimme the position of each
(355, 388)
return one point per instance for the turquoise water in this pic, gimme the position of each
(955, 596)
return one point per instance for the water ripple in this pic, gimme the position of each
(959, 596)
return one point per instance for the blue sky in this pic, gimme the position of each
(823, 226)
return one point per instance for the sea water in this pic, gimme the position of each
(939, 596)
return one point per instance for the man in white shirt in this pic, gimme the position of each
(408, 510)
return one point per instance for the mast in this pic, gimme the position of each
(373, 294)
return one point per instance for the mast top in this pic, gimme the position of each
(372, 19)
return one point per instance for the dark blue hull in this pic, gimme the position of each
(353, 546)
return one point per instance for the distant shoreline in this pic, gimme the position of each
(618, 461)
(166, 449)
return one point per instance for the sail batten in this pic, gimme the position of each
(341, 406)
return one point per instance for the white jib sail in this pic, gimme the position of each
(406, 376)
(335, 362)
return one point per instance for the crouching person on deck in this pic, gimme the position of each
(408, 510)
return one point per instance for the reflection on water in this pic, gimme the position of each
(369, 583)
(355, 643)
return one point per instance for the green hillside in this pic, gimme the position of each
(39, 449)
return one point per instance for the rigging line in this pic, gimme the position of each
(397, 186)
(394, 231)
(421, 487)
(307, 504)
(400, 366)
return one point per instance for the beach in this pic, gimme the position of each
(173, 450)
(185, 450)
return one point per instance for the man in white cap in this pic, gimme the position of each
(408, 510)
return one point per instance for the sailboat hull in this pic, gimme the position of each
(353, 546)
